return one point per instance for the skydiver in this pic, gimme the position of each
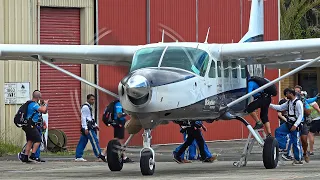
(293, 125)
(261, 100)
(194, 133)
(193, 147)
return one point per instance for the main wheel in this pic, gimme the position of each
(270, 153)
(147, 164)
(114, 156)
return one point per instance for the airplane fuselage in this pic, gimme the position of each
(181, 81)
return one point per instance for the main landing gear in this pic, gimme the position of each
(147, 155)
(270, 145)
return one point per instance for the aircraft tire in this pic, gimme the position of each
(270, 153)
(146, 165)
(114, 156)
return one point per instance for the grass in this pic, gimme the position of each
(8, 148)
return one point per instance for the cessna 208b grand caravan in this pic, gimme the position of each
(182, 80)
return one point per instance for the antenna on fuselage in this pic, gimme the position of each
(162, 36)
(206, 41)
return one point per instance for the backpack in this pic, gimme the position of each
(271, 90)
(90, 108)
(20, 119)
(108, 115)
(306, 111)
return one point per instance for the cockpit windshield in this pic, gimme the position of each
(190, 59)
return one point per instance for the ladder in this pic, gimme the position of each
(248, 148)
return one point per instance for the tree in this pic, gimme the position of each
(299, 19)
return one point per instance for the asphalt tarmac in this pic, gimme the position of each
(228, 152)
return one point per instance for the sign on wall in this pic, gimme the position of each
(16, 93)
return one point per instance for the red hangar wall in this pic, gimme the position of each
(142, 21)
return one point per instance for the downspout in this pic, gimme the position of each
(38, 42)
(96, 66)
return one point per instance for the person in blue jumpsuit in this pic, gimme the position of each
(193, 147)
(292, 126)
(305, 128)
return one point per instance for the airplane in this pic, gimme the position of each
(181, 81)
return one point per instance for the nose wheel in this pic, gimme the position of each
(147, 160)
(147, 163)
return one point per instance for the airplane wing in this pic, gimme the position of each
(83, 54)
(273, 54)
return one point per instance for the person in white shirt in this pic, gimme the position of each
(294, 106)
(89, 129)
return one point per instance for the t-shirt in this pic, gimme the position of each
(118, 109)
(253, 86)
(33, 107)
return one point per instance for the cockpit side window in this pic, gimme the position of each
(212, 72)
(204, 65)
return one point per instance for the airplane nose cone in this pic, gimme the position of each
(137, 86)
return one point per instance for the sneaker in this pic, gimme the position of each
(258, 126)
(33, 158)
(127, 160)
(20, 156)
(297, 163)
(287, 158)
(310, 153)
(80, 159)
(25, 158)
(102, 157)
(177, 159)
(40, 160)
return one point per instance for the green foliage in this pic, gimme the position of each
(8, 148)
(295, 19)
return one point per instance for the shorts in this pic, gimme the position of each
(119, 132)
(305, 129)
(315, 126)
(32, 134)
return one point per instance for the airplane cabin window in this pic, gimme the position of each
(146, 57)
(190, 59)
(243, 71)
(219, 68)
(212, 72)
(234, 69)
(226, 69)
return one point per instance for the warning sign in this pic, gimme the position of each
(16, 93)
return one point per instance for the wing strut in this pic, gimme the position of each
(41, 59)
(272, 82)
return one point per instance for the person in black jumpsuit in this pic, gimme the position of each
(194, 133)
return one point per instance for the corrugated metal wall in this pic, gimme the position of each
(127, 20)
(61, 26)
(18, 24)
(184, 20)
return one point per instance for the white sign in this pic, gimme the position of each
(16, 93)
